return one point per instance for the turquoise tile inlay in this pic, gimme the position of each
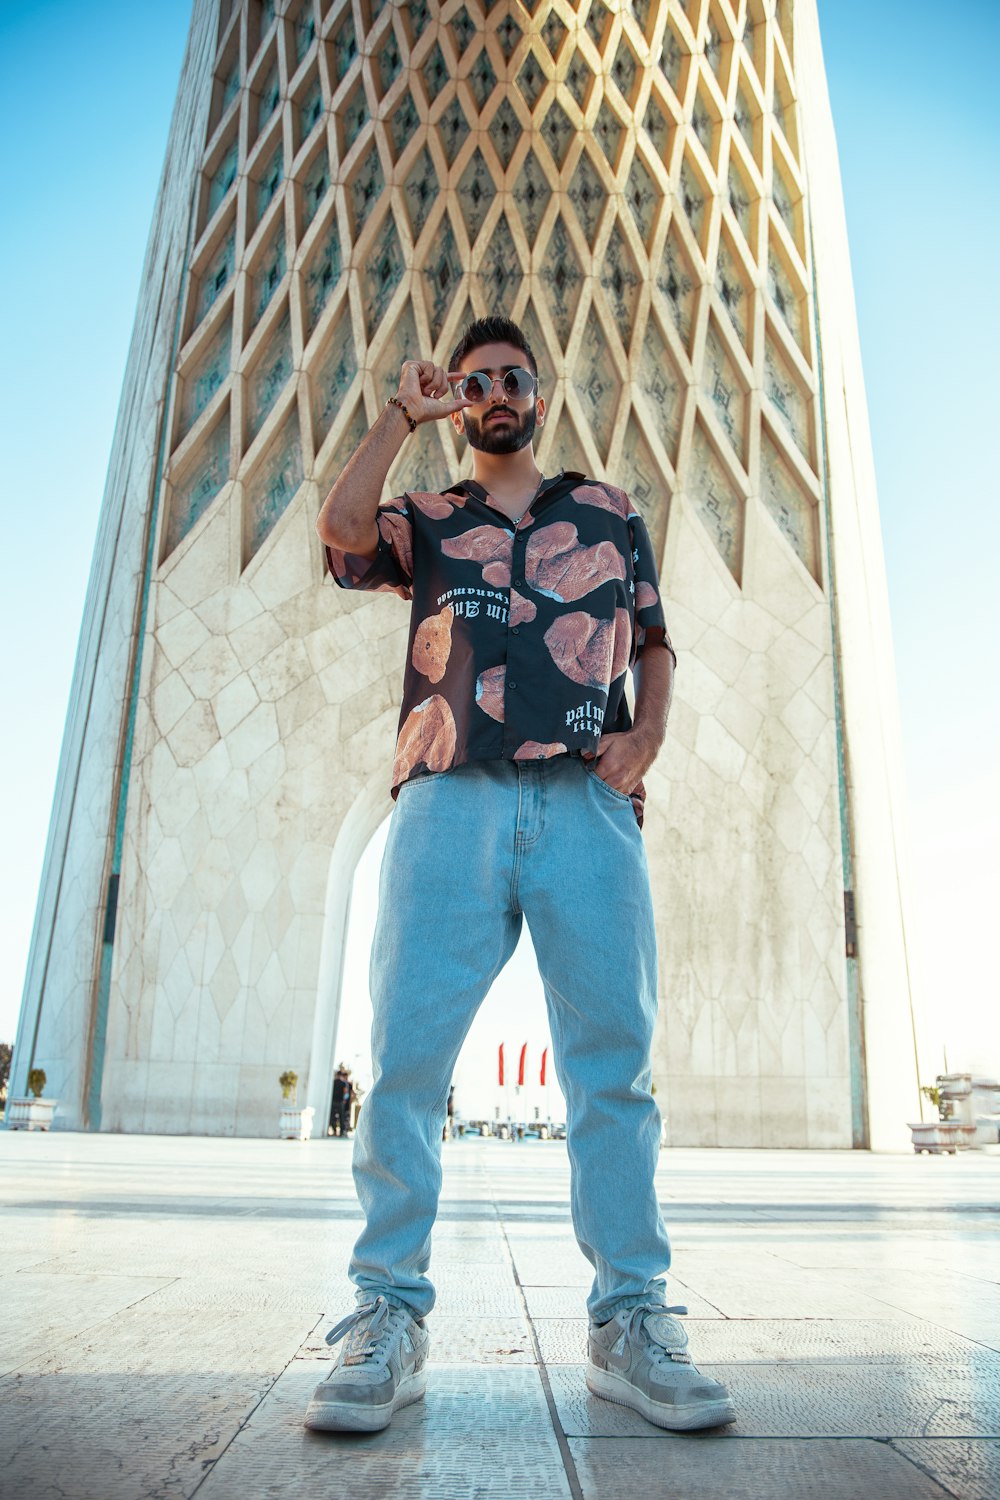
(662, 386)
(562, 279)
(554, 32)
(587, 195)
(419, 14)
(421, 189)
(269, 376)
(345, 48)
(354, 116)
(404, 124)
(482, 79)
(702, 124)
(270, 95)
(381, 275)
(783, 201)
(793, 511)
(223, 177)
(366, 188)
(505, 132)
(621, 283)
(624, 70)
(716, 502)
(216, 276)
(333, 377)
(779, 284)
(195, 491)
(230, 86)
(500, 273)
(508, 34)
(453, 128)
(463, 29)
(476, 191)
(598, 384)
(739, 200)
(558, 131)
(643, 198)
(265, 279)
(389, 60)
(531, 80)
(531, 194)
(442, 278)
(672, 57)
(310, 110)
(597, 20)
(724, 390)
(731, 287)
(321, 276)
(270, 181)
(274, 483)
(434, 73)
(304, 30)
(782, 388)
(204, 376)
(609, 131)
(579, 78)
(744, 117)
(315, 181)
(675, 279)
(694, 198)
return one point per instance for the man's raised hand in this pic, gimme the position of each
(423, 390)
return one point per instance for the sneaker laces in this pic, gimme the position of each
(661, 1332)
(366, 1342)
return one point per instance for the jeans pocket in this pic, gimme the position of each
(612, 791)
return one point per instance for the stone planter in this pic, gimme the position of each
(295, 1124)
(939, 1136)
(31, 1114)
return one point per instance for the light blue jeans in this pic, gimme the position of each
(470, 852)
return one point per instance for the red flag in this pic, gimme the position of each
(520, 1067)
(501, 1064)
(544, 1056)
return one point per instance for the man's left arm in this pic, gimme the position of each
(625, 757)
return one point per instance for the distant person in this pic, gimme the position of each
(518, 773)
(343, 1093)
(449, 1125)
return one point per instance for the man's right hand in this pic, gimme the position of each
(423, 390)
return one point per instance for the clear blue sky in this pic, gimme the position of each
(84, 117)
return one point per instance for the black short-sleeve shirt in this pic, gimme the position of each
(520, 635)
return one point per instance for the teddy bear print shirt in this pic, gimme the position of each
(520, 635)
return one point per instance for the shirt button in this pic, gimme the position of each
(519, 583)
(514, 630)
(512, 684)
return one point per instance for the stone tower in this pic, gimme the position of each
(652, 190)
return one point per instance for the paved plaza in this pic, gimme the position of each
(165, 1300)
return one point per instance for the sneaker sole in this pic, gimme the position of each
(348, 1416)
(612, 1387)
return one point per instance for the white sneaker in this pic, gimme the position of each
(640, 1359)
(379, 1369)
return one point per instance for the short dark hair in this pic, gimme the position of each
(494, 330)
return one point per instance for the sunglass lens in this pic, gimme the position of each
(518, 383)
(475, 387)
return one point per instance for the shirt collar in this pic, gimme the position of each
(470, 486)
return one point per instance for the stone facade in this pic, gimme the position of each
(346, 185)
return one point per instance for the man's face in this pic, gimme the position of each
(500, 423)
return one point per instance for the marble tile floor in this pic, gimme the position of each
(164, 1301)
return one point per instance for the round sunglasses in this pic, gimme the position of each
(478, 384)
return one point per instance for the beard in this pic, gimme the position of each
(501, 437)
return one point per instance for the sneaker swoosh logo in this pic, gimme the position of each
(407, 1360)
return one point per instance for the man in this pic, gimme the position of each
(518, 786)
(343, 1093)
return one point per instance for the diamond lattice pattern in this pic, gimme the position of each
(623, 179)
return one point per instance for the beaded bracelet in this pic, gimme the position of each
(392, 401)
